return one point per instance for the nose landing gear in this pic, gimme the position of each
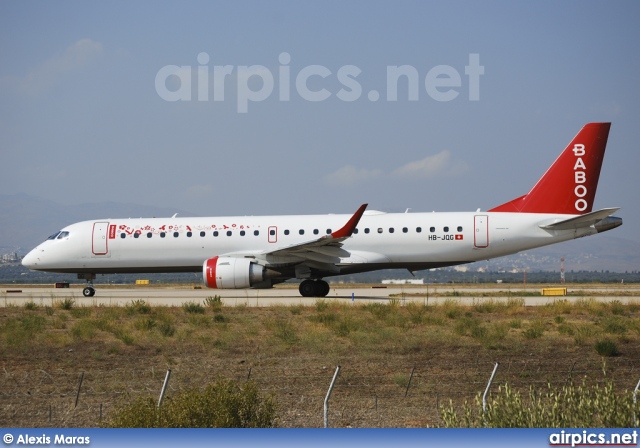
(89, 290)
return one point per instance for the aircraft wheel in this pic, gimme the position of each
(307, 288)
(323, 288)
(88, 292)
(314, 288)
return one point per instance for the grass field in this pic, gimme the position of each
(401, 361)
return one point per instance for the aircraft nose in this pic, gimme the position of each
(31, 259)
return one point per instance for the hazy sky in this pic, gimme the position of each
(291, 107)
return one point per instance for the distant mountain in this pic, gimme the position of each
(26, 221)
(594, 253)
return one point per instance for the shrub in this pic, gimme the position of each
(66, 304)
(166, 329)
(145, 323)
(84, 330)
(284, 330)
(214, 302)
(614, 325)
(18, 332)
(192, 307)
(81, 312)
(553, 407)
(617, 307)
(416, 312)
(137, 307)
(606, 347)
(535, 330)
(223, 404)
(321, 305)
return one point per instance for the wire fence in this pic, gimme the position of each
(366, 394)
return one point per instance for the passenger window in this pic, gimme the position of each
(202, 233)
(229, 233)
(149, 235)
(256, 232)
(379, 229)
(301, 231)
(242, 233)
(445, 229)
(136, 235)
(418, 229)
(316, 231)
(272, 232)
(355, 230)
(176, 234)
(391, 230)
(405, 230)
(459, 228)
(189, 234)
(328, 231)
(432, 229)
(215, 233)
(162, 234)
(286, 232)
(366, 230)
(123, 235)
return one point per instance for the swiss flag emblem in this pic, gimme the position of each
(459, 236)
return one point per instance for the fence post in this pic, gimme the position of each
(326, 399)
(409, 383)
(79, 386)
(164, 388)
(486, 391)
(570, 373)
(635, 401)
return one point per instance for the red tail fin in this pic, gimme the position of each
(569, 186)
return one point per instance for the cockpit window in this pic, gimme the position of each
(63, 235)
(53, 237)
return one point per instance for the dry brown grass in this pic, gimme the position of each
(294, 350)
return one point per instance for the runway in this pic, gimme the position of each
(110, 295)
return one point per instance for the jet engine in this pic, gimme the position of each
(236, 273)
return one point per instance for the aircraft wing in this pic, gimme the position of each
(321, 253)
(585, 220)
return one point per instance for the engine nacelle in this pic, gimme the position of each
(233, 273)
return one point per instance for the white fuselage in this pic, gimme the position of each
(382, 240)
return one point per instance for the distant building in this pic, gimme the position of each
(412, 281)
(10, 257)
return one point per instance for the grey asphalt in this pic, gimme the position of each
(176, 296)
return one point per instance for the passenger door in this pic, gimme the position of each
(100, 245)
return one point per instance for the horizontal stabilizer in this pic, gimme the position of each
(585, 220)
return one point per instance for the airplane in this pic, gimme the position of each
(237, 252)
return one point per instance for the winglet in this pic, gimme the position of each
(347, 230)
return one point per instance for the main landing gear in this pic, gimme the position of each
(89, 290)
(314, 288)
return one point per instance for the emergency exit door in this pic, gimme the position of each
(481, 231)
